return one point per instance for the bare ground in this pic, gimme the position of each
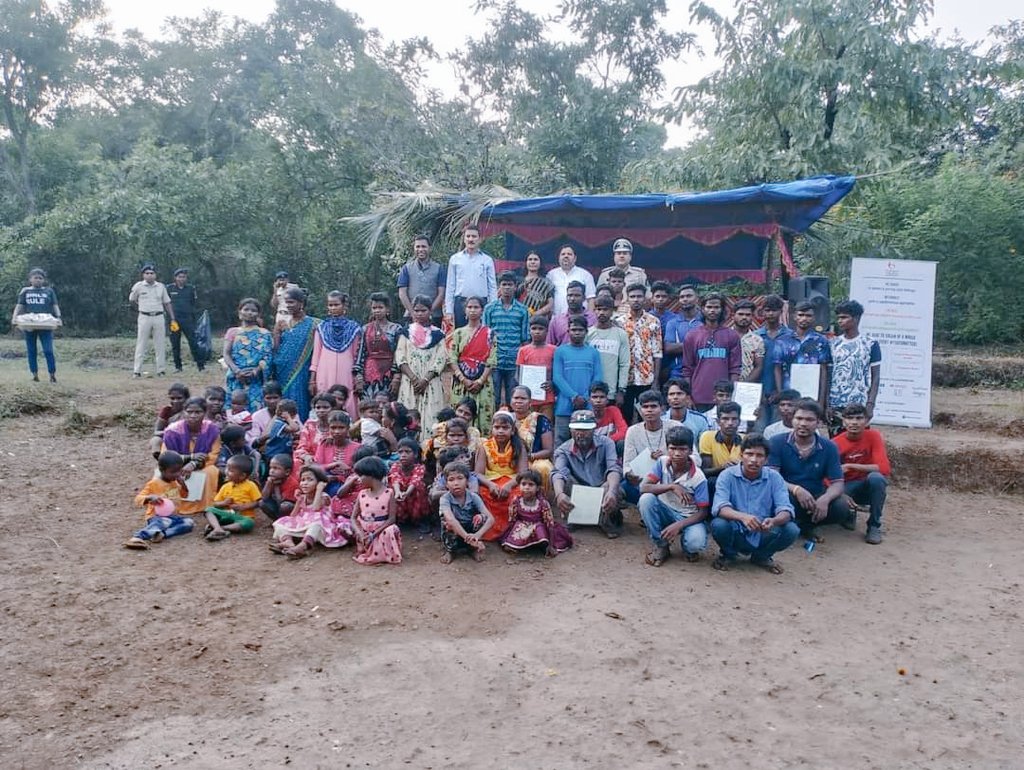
(903, 655)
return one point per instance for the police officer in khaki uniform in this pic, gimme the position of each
(622, 256)
(153, 302)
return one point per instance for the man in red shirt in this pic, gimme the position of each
(865, 466)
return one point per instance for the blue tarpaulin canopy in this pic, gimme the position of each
(709, 236)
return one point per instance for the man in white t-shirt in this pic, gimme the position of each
(566, 273)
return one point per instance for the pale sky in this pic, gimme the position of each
(447, 23)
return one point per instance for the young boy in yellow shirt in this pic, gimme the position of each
(232, 510)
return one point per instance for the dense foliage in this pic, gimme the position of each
(237, 149)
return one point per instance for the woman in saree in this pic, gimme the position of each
(498, 460)
(293, 350)
(473, 355)
(537, 435)
(536, 291)
(335, 345)
(248, 353)
(420, 355)
(375, 362)
(197, 440)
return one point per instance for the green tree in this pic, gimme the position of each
(822, 86)
(579, 109)
(38, 57)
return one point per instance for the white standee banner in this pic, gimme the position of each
(899, 306)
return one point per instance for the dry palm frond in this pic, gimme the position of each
(428, 209)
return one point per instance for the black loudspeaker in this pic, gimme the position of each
(813, 289)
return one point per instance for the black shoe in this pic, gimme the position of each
(161, 374)
(35, 378)
(137, 375)
(177, 370)
(53, 378)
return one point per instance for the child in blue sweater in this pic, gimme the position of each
(576, 365)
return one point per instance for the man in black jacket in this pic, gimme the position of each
(184, 299)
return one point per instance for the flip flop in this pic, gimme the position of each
(769, 566)
(657, 557)
(218, 535)
(722, 564)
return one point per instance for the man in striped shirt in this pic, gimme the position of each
(509, 319)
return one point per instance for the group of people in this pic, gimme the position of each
(474, 413)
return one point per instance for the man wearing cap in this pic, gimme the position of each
(153, 302)
(591, 461)
(184, 300)
(281, 285)
(622, 256)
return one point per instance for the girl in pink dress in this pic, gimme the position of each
(378, 539)
(305, 523)
(335, 454)
(314, 430)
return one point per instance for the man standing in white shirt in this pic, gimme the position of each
(153, 301)
(566, 273)
(470, 274)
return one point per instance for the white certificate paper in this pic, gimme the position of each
(195, 484)
(642, 464)
(804, 378)
(533, 377)
(748, 396)
(586, 503)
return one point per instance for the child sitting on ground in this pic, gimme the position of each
(452, 454)
(465, 518)
(297, 533)
(315, 428)
(284, 428)
(335, 455)
(232, 510)
(215, 397)
(233, 444)
(160, 496)
(366, 429)
(177, 395)
(238, 413)
(531, 523)
(378, 539)
(341, 394)
(280, 489)
(435, 442)
(406, 480)
(263, 416)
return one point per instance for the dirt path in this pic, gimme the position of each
(221, 655)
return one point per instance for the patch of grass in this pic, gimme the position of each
(77, 421)
(961, 371)
(26, 400)
(137, 417)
